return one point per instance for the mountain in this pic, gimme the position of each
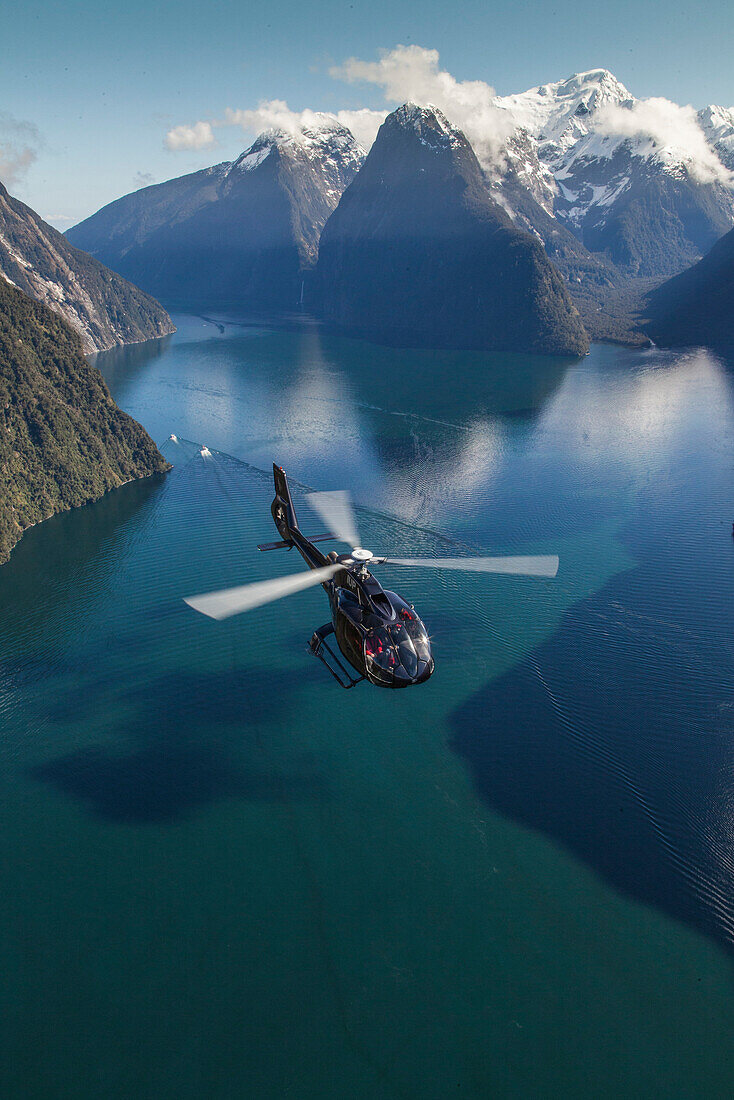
(63, 441)
(717, 124)
(103, 308)
(418, 253)
(697, 306)
(650, 204)
(243, 232)
(620, 192)
(525, 189)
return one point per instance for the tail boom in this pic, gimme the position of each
(284, 514)
(284, 517)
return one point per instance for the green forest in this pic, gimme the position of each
(63, 441)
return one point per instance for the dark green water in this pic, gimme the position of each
(223, 876)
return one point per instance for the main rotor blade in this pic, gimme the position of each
(231, 601)
(336, 511)
(542, 566)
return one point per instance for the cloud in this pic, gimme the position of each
(270, 114)
(19, 145)
(275, 114)
(405, 73)
(412, 73)
(673, 129)
(198, 136)
(409, 73)
(143, 179)
(363, 123)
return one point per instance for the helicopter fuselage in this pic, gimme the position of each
(377, 631)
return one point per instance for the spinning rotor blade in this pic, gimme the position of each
(529, 567)
(231, 601)
(337, 513)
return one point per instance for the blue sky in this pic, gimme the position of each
(91, 93)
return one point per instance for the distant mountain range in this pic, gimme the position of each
(241, 232)
(63, 441)
(98, 303)
(594, 220)
(611, 195)
(419, 252)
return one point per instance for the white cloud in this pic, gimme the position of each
(275, 114)
(412, 73)
(198, 136)
(409, 73)
(19, 145)
(673, 129)
(270, 114)
(406, 73)
(363, 123)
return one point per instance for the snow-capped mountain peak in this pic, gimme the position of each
(557, 115)
(717, 124)
(325, 150)
(585, 144)
(429, 123)
(591, 115)
(260, 149)
(324, 137)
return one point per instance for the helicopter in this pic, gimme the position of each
(378, 633)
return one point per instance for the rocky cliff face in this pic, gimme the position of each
(418, 253)
(244, 232)
(104, 308)
(525, 190)
(63, 441)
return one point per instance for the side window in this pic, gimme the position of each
(348, 635)
(348, 602)
(354, 640)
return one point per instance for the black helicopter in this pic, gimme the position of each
(377, 631)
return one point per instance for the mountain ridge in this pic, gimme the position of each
(615, 208)
(417, 253)
(612, 176)
(245, 230)
(103, 307)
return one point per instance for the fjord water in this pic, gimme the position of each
(224, 876)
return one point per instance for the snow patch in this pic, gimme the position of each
(252, 158)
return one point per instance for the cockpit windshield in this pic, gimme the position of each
(395, 652)
(401, 647)
(416, 631)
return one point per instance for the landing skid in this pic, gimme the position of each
(333, 661)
